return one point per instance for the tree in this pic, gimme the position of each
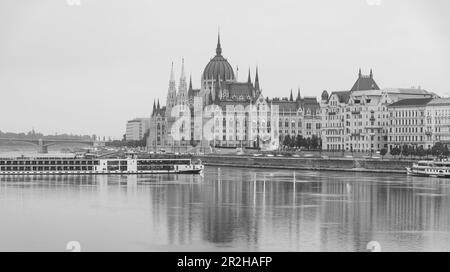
(308, 143)
(420, 151)
(446, 151)
(383, 152)
(395, 151)
(412, 151)
(406, 151)
(287, 140)
(437, 150)
(299, 141)
(314, 142)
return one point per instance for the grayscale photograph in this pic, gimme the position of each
(201, 126)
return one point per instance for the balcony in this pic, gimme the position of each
(356, 112)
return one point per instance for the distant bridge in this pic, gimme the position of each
(43, 144)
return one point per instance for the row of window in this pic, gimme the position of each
(49, 162)
(46, 168)
(163, 162)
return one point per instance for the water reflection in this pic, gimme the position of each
(226, 209)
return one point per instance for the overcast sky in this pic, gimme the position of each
(88, 69)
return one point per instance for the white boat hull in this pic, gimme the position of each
(424, 173)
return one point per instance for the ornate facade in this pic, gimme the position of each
(358, 119)
(228, 113)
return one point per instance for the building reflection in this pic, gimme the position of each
(285, 211)
(244, 209)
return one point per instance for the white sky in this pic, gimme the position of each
(87, 69)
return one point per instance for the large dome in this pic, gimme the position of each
(218, 67)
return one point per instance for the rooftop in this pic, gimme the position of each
(412, 102)
(365, 83)
(440, 102)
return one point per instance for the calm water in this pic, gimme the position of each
(226, 209)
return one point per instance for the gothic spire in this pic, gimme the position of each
(298, 95)
(172, 92)
(291, 98)
(172, 77)
(219, 48)
(158, 106)
(154, 107)
(182, 86)
(371, 74)
(249, 80)
(190, 83)
(359, 74)
(257, 79)
(183, 75)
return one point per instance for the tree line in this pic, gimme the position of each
(288, 142)
(37, 135)
(124, 143)
(438, 150)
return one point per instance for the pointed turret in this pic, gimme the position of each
(371, 73)
(190, 83)
(249, 80)
(298, 95)
(172, 92)
(291, 97)
(182, 96)
(257, 80)
(158, 107)
(172, 76)
(359, 74)
(154, 107)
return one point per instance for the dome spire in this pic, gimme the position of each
(219, 48)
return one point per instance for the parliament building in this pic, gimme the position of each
(227, 113)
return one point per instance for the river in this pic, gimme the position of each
(225, 209)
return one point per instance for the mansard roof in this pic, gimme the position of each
(365, 82)
(343, 96)
(284, 105)
(310, 103)
(440, 102)
(239, 88)
(412, 102)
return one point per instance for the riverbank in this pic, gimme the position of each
(315, 164)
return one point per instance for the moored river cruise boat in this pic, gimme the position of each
(437, 168)
(86, 165)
